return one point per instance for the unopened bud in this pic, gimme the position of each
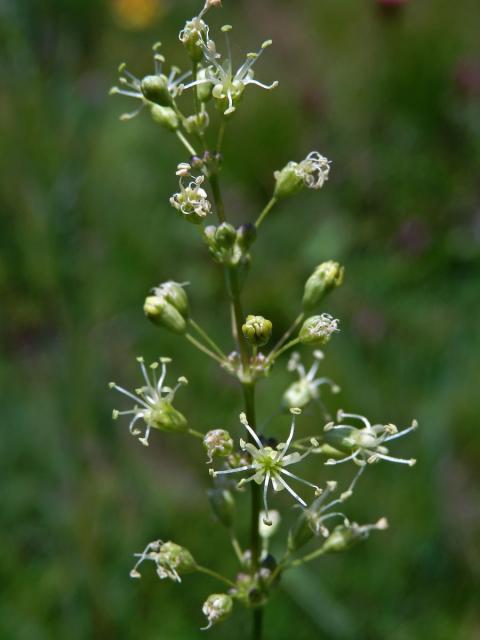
(246, 235)
(195, 30)
(165, 117)
(203, 88)
(197, 123)
(223, 505)
(162, 313)
(225, 236)
(176, 557)
(216, 608)
(317, 330)
(218, 442)
(155, 89)
(174, 293)
(257, 330)
(326, 277)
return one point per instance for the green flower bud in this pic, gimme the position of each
(155, 89)
(225, 236)
(317, 330)
(165, 117)
(209, 235)
(343, 537)
(218, 442)
(197, 123)
(163, 314)
(171, 560)
(174, 293)
(257, 330)
(287, 181)
(246, 236)
(326, 277)
(204, 90)
(165, 417)
(223, 505)
(301, 532)
(217, 607)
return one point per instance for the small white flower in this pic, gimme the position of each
(307, 388)
(367, 442)
(314, 170)
(317, 330)
(192, 200)
(171, 560)
(228, 85)
(134, 87)
(153, 403)
(269, 464)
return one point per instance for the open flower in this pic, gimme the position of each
(317, 330)
(269, 464)
(228, 85)
(171, 560)
(157, 88)
(153, 403)
(312, 172)
(307, 388)
(192, 200)
(366, 443)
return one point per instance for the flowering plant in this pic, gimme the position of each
(262, 463)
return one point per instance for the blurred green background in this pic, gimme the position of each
(393, 99)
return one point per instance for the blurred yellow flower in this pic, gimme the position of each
(137, 14)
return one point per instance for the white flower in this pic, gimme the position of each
(154, 89)
(317, 330)
(367, 443)
(314, 170)
(269, 464)
(307, 388)
(153, 403)
(192, 200)
(171, 560)
(228, 86)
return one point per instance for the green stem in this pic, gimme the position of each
(290, 344)
(217, 196)
(288, 333)
(214, 574)
(221, 135)
(196, 434)
(203, 349)
(236, 547)
(266, 211)
(185, 143)
(238, 317)
(311, 556)
(207, 338)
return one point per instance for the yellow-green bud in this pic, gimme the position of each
(164, 417)
(223, 505)
(196, 123)
(162, 313)
(165, 117)
(327, 276)
(155, 89)
(257, 330)
(317, 330)
(217, 607)
(287, 181)
(218, 442)
(204, 90)
(225, 236)
(174, 293)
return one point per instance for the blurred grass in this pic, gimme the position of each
(86, 230)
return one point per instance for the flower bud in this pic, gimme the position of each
(301, 532)
(217, 607)
(287, 181)
(223, 505)
(326, 277)
(155, 89)
(257, 330)
(165, 417)
(246, 235)
(177, 557)
(197, 123)
(225, 236)
(204, 88)
(165, 117)
(163, 314)
(317, 330)
(174, 293)
(218, 442)
(343, 537)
